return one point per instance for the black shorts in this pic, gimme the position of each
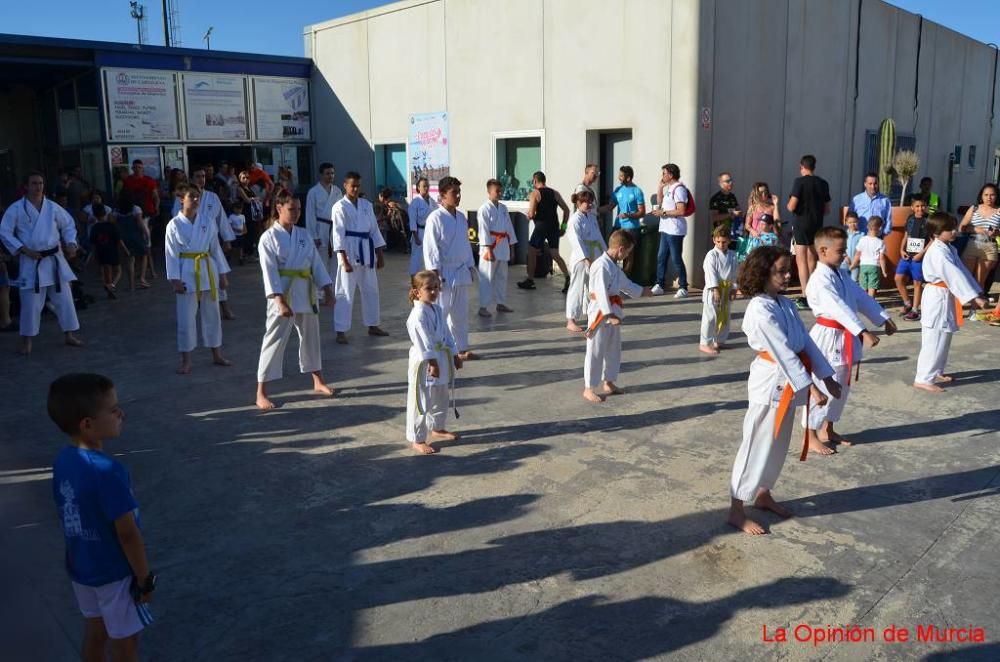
(804, 232)
(542, 234)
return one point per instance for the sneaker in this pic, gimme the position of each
(681, 294)
(565, 288)
(907, 308)
(912, 316)
(802, 304)
(526, 284)
(657, 290)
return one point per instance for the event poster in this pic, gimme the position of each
(150, 157)
(215, 107)
(141, 105)
(281, 109)
(428, 145)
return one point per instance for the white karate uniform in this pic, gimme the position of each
(496, 232)
(362, 254)
(447, 250)
(938, 316)
(586, 243)
(418, 212)
(834, 295)
(198, 236)
(426, 396)
(41, 230)
(720, 273)
(281, 250)
(319, 221)
(604, 346)
(772, 325)
(211, 206)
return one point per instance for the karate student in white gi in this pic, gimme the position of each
(779, 381)
(294, 273)
(838, 302)
(448, 252)
(586, 244)
(496, 236)
(38, 231)
(432, 365)
(197, 268)
(212, 207)
(358, 246)
(720, 279)
(319, 214)
(605, 313)
(421, 205)
(948, 285)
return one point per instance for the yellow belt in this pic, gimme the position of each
(723, 320)
(422, 368)
(593, 246)
(306, 275)
(198, 259)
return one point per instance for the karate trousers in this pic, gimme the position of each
(492, 282)
(32, 305)
(348, 284)
(433, 399)
(455, 306)
(576, 297)
(416, 257)
(834, 407)
(604, 356)
(329, 262)
(277, 331)
(761, 456)
(189, 305)
(934, 346)
(710, 332)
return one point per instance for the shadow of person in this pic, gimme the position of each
(980, 423)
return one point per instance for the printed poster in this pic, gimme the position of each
(281, 109)
(428, 146)
(215, 107)
(141, 105)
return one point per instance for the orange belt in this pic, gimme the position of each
(848, 349)
(959, 316)
(615, 300)
(488, 253)
(786, 401)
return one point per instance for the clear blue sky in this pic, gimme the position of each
(274, 27)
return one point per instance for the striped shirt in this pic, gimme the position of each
(985, 222)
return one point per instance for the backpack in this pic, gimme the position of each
(690, 208)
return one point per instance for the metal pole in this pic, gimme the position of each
(166, 24)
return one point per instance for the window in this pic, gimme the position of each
(904, 141)
(972, 157)
(390, 169)
(517, 157)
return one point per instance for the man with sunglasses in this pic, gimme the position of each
(724, 205)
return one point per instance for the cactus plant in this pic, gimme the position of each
(887, 149)
(905, 164)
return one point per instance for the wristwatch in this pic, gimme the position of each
(149, 585)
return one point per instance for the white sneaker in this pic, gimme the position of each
(657, 290)
(681, 294)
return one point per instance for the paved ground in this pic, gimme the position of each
(553, 530)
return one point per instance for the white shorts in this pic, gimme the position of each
(114, 605)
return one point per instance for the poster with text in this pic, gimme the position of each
(141, 105)
(281, 109)
(150, 157)
(215, 107)
(428, 143)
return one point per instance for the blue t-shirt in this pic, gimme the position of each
(629, 198)
(92, 490)
(852, 243)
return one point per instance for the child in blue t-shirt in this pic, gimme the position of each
(853, 237)
(105, 552)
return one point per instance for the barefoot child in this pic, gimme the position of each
(294, 271)
(197, 268)
(586, 245)
(870, 257)
(720, 280)
(105, 553)
(779, 381)
(911, 257)
(106, 243)
(431, 370)
(604, 317)
(496, 236)
(949, 285)
(837, 301)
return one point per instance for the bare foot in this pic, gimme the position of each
(222, 361)
(738, 519)
(323, 389)
(468, 356)
(263, 402)
(834, 438)
(228, 315)
(504, 309)
(444, 435)
(423, 448)
(765, 501)
(930, 388)
(24, 350)
(944, 379)
(184, 369)
(573, 327)
(816, 445)
(711, 351)
(73, 341)
(611, 389)
(590, 395)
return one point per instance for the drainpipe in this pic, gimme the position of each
(857, 87)
(916, 73)
(993, 106)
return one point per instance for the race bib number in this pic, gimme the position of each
(914, 244)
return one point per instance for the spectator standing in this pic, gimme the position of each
(871, 203)
(810, 203)
(128, 217)
(725, 207)
(631, 204)
(543, 203)
(674, 199)
(982, 220)
(146, 194)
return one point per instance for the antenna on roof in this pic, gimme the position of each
(208, 38)
(138, 12)
(171, 23)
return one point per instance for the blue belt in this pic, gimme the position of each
(371, 247)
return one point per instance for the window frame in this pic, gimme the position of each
(521, 205)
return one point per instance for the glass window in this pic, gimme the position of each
(87, 90)
(390, 169)
(517, 159)
(67, 99)
(69, 128)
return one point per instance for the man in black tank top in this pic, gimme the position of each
(542, 209)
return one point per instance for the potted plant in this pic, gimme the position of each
(905, 165)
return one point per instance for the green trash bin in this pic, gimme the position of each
(644, 272)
